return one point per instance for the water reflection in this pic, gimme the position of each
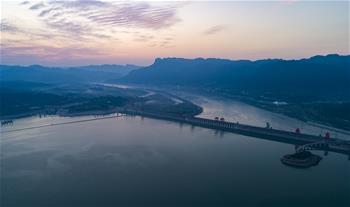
(235, 111)
(140, 161)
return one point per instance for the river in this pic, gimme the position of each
(135, 161)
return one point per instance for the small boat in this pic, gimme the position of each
(304, 159)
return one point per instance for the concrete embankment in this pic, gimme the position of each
(332, 144)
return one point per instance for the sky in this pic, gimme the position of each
(76, 32)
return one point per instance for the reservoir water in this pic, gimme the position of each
(135, 161)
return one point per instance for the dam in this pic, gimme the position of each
(300, 140)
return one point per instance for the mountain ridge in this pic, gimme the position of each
(315, 74)
(89, 73)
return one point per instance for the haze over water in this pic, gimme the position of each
(142, 161)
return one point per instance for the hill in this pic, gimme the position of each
(318, 75)
(38, 73)
(312, 89)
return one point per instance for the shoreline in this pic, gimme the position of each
(31, 114)
(132, 112)
(175, 94)
(62, 123)
(321, 143)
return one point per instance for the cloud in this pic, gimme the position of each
(107, 14)
(49, 54)
(24, 34)
(69, 26)
(45, 12)
(24, 2)
(215, 29)
(143, 38)
(6, 26)
(37, 6)
(162, 42)
(137, 14)
(78, 30)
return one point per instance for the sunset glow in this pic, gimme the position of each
(67, 33)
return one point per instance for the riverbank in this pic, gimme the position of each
(93, 99)
(332, 114)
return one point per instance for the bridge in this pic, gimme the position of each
(302, 141)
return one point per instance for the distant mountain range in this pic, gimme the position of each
(316, 89)
(315, 75)
(90, 73)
